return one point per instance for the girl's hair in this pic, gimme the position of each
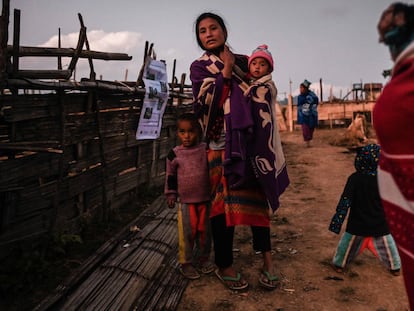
(203, 16)
(190, 117)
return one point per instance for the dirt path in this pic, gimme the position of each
(304, 246)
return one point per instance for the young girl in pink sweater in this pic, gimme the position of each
(187, 183)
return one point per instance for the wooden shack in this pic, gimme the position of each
(340, 114)
(68, 151)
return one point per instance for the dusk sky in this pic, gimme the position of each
(334, 40)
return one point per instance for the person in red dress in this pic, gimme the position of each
(393, 118)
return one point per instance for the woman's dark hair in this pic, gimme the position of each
(408, 11)
(401, 35)
(203, 16)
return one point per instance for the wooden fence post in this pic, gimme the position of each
(4, 37)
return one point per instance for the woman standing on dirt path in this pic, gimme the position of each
(307, 111)
(393, 117)
(237, 198)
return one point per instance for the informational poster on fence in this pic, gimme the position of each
(156, 95)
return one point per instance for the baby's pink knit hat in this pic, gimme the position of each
(262, 51)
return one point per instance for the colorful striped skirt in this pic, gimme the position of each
(243, 206)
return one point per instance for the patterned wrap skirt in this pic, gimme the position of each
(241, 207)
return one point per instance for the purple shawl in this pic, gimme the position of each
(208, 83)
(250, 154)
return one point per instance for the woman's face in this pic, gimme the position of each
(302, 89)
(388, 28)
(386, 22)
(211, 34)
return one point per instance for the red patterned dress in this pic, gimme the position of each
(394, 124)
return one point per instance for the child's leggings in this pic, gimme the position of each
(194, 233)
(383, 247)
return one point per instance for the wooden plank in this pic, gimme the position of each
(166, 144)
(29, 146)
(114, 123)
(25, 229)
(145, 152)
(92, 71)
(16, 41)
(4, 132)
(34, 84)
(142, 264)
(79, 46)
(80, 127)
(66, 52)
(104, 298)
(58, 298)
(43, 105)
(119, 158)
(99, 288)
(34, 199)
(4, 37)
(85, 293)
(42, 74)
(126, 182)
(28, 109)
(40, 164)
(131, 101)
(40, 129)
(84, 181)
(164, 291)
(120, 143)
(123, 162)
(92, 198)
(158, 282)
(77, 166)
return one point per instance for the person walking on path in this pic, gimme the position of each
(307, 111)
(393, 117)
(366, 226)
(218, 80)
(187, 182)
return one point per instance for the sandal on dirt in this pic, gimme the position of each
(207, 267)
(233, 283)
(189, 272)
(268, 281)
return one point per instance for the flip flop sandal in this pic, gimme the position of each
(268, 281)
(207, 267)
(233, 283)
(189, 272)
